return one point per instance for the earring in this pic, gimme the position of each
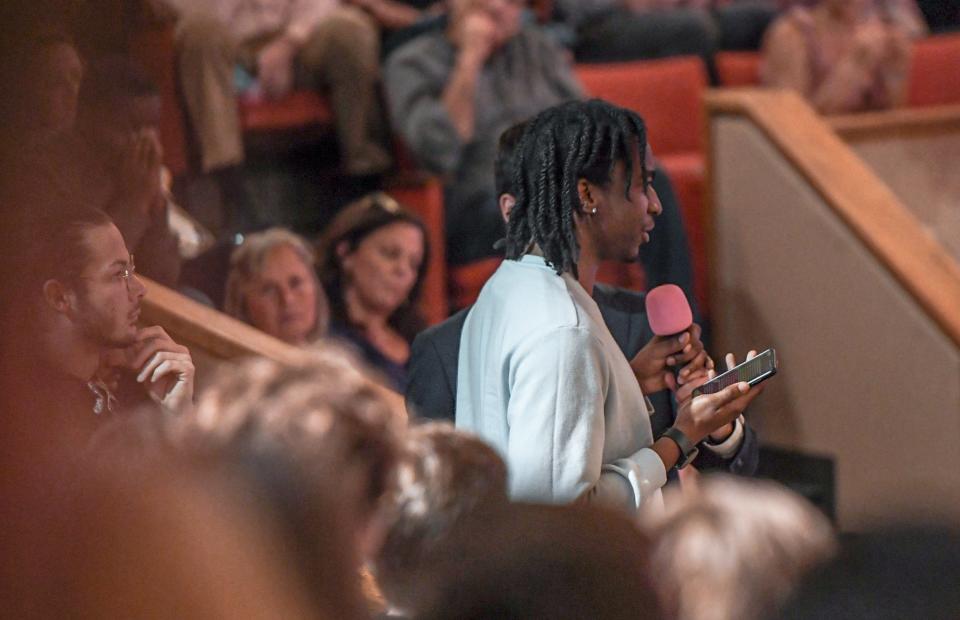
(592, 211)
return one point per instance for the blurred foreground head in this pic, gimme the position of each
(527, 561)
(445, 475)
(323, 413)
(891, 573)
(732, 549)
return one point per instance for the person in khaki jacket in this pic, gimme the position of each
(323, 44)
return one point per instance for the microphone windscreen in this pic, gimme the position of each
(668, 310)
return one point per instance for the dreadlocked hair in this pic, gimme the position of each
(561, 145)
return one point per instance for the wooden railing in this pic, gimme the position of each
(868, 207)
(905, 122)
(214, 335)
(195, 325)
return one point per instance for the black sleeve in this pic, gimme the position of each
(743, 463)
(429, 394)
(666, 258)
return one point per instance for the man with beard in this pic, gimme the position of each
(75, 326)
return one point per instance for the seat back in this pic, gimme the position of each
(667, 93)
(738, 68)
(935, 71)
(297, 109)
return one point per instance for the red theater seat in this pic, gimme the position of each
(298, 109)
(669, 95)
(738, 68)
(935, 71)
(467, 280)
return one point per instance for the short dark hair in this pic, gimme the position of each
(43, 246)
(445, 475)
(531, 561)
(111, 80)
(54, 243)
(507, 158)
(565, 143)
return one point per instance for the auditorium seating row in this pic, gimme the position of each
(668, 93)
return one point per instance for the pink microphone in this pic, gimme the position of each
(668, 310)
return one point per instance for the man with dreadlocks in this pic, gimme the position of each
(540, 377)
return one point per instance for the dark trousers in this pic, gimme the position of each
(622, 35)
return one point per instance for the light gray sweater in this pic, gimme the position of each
(542, 380)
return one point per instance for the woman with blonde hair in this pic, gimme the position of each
(273, 286)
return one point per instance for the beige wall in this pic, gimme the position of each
(924, 172)
(866, 377)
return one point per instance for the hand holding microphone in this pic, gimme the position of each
(675, 355)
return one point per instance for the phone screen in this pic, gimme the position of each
(752, 371)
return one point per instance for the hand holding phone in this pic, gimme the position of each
(753, 371)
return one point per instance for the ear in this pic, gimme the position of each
(507, 201)
(589, 197)
(58, 296)
(343, 253)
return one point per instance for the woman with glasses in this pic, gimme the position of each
(273, 286)
(372, 259)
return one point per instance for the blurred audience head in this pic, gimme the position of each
(731, 549)
(373, 257)
(117, 100)
(40, 69)
(444, 476)
(525, 561)
(886, 574)
(260, 489)
(504, 15)
(324, 413)
(273, 285)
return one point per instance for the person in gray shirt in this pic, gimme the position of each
(453, 91)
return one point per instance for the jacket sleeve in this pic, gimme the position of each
(429, 393)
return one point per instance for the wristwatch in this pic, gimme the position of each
(688, 451)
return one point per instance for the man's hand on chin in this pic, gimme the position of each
(164, 367)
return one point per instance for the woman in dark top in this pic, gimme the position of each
(372, 259)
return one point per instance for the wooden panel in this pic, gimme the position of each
(867, 206)
(902, 123)
(866, 373)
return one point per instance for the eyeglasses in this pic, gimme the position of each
(126, 273)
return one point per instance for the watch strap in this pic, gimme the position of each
(688, 451)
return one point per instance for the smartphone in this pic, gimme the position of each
(753, 371)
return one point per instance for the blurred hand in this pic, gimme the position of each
(476, 34)
(140, 171)
(871, 42)
(655, 362)
(275, 67)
